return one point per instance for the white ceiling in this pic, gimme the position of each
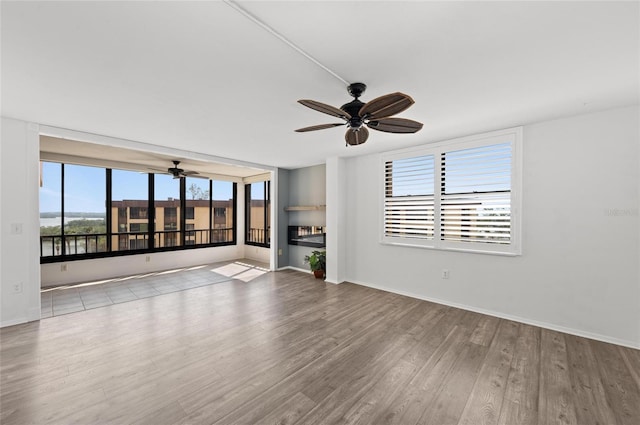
(201, 77)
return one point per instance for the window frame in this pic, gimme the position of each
(514, 136)
(111, 218)
(266, 213)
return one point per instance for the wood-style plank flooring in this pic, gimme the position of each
(285, 348)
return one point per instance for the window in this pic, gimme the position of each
(458, 195)
(198, 205)
(51, 215)
(91, 212)
(138, 227)
(257, 214)
(84, 209)
(138, 213)
(122, 220)
(409, 200)
(129, 197)
(72, 210)
(223, 217)
(167, 210)
(170, 218)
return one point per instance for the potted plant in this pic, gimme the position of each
(317, 263)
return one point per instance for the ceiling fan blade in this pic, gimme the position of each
(319, 127)
(324, 108)
(395, 125)
(385, 106)
(356, 137)
(195, 176)
(189, 173)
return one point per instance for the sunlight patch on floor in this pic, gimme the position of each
(241, 271)
(231, 270)
(170, 271)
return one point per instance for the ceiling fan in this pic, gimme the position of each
(179, 172)
(375, 114)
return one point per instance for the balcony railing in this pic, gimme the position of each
(78, 244)
(259, 236)
(72, 244)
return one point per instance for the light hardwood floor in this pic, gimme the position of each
(286, 348)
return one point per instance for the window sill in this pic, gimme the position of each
(514, 253)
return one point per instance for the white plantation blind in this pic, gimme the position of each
(460, 195)
(408, 204)
(476, 194)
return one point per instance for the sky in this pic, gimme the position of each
(85, 187)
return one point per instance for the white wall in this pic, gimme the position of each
(579, 270)
(257, 253)
(19, 254)
(337, 220)
(307, 186)
(102, 268)
(282, 197)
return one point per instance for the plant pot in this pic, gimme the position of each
(319, 274)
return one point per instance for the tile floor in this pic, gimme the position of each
(66, 299)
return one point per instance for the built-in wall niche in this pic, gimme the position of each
(313, 236)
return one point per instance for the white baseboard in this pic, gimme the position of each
(297, 269)
(545, 325)
(13, 322)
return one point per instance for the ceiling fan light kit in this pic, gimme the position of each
(375, 114)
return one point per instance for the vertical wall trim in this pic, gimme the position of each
(32, 286)
(336, 220)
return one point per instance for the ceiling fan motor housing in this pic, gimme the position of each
(352, 108)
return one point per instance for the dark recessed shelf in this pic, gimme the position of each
(313, 236)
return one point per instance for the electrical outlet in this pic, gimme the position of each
(17, 288)
(63, 267)
(445, 274)
(148, 259)
(280, 251)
